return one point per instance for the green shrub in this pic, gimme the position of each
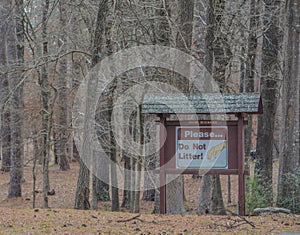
(291, 184)
(255, 194)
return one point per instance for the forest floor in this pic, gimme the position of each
(17, 216)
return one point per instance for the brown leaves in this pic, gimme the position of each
(26, 220)
(82, 222)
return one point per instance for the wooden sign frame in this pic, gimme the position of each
(235, 155)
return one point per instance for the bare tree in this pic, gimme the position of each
(270, 83)
(83, 188)
(44, 84)
(250, 66)
(82, 193)
(62, 129)
(210, 194)
(288, 183)
(15, 55)
(175, 189)
(4, 91)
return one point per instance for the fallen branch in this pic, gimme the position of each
(259, 211)
(242, 219)
(229, 225)
(127, 220)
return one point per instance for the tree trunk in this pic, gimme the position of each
(83, 188)
(4, 90)
(101, 168)
(270, 68)
(45, 104)
(36, 154)
(5, 132)
(139, 138)
(106, 30)
(15, 53)
(126, 192)
(151, 161)
(175, 202)
(185, 27)
(75, 151)
(289, 173)
(82, 193)
(175, 189)
(149, 184)
(216, 60)
(156, 202)
(217, 204)
(206, 182)
(204, 193)
(95, 192)
(103, 194)
(162, 37)
(250, 67)
(113, 171)
(62, 129)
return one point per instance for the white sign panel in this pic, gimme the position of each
(201, 147)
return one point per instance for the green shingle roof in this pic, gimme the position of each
(202, 103)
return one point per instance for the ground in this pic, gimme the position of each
(18, 217)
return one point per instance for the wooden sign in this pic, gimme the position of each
(201, 147)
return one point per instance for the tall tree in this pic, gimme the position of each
(270, 71)
(83, 187)
(216, 61)
(289, 169)
(205, 187)
(185, 18)
(161, 36)
(44, 84)
(4, 90)
(115, 205)
(82, 192)
(101, 167)
(15, 55)
(62, 129)
(250, 66)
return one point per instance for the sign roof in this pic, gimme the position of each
(202, 103)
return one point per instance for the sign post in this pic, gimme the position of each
(162, 173)
(241, 166)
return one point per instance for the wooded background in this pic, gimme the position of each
(47, 47)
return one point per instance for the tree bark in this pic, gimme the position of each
(288, 181)
(62, 129)
(83, 188)
(4, 90)
(217, 205)
(113, 171)
(216, 60)
(126, 191)
(270, 68)
(175, 189)
(82, 193)
(149, 184)
(36, 154)
(250, 67)
(15, 53)
(45, 104)
(175, 202)
(204, 193)
(137, 162)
